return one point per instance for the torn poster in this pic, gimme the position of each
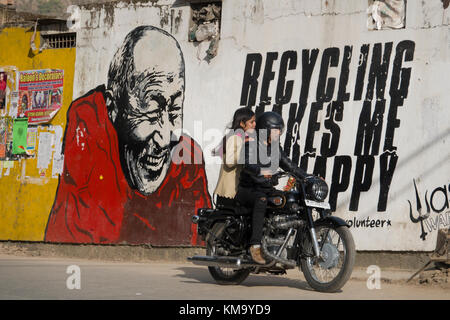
(20, 129)
(44, 150)
(58, 157)
(40, 94)
(5, 132)
(3, 85)
(31, 140)
(14, 105)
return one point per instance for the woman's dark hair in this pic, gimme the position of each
(240, 115)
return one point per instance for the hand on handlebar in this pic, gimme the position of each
(266, 173)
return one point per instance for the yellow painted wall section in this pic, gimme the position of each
(27, 195)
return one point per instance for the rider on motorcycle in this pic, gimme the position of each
(262, 158)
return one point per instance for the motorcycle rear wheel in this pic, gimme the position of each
(338, 247)
(224, 276)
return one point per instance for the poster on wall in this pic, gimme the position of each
(5, 132)
(31, 140)
(3, 78)
(20, 128)
(40, 94)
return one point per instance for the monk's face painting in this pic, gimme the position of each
(152, 111)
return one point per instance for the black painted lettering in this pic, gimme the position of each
(340, 179)
(443, 190)
(369, 128)
(330, 141)
(260, 108)
(295, 118)
(268, 76)
(325, 85)
(343, 79)
(379, 68)
(278, 108)
(309, 58)
(313, 126)
(284, 88)
(305, 160)
(320, 167)
(359, 85)
(388, 162)
(250, 81)
(392, 123)
(362, 180)
(401, 76)
(398, 90)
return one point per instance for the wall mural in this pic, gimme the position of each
(120, 183)
(437, 215)
(371, 150)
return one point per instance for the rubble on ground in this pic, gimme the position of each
(437, 275)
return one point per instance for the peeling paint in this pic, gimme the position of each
(164, 14)
(257, 12)
(123, 3)
(109, 15)
(176, 20)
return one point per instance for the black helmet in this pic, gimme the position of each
(270, 120)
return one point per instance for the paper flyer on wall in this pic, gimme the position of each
(3, 87)
(31, 139)
(58, 157)
(20, 129)
(5, 132)
(44, 150)
(14, 105)
(40, 94)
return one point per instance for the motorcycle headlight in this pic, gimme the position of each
(318, 189)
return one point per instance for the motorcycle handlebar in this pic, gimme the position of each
(280, 174)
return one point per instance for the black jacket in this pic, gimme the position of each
(257, 156)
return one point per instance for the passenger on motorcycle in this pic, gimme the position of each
(262, 158)
(242, 129)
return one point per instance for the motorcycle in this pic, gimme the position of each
(299, 231)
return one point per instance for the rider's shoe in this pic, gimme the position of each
(255, 252)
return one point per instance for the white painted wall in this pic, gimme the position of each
(213, 90)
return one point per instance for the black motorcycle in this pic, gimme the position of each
(299, 231)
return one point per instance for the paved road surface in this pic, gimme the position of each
(46, 278)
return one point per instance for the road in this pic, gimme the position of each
(49, 278)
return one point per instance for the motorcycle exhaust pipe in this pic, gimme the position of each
(223, 262)
(197, 219)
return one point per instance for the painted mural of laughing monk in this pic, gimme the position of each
(120, 183)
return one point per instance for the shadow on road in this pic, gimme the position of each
(201, 275)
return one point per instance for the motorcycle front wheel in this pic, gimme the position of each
(224, 276)
(331, 271)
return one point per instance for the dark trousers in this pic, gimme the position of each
(257, 200)
(225, 202)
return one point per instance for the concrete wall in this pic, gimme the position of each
(366, 109)
(405, 107)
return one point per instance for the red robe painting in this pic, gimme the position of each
(94, 202)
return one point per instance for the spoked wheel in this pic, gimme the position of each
(225, 276)
(332, 270)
